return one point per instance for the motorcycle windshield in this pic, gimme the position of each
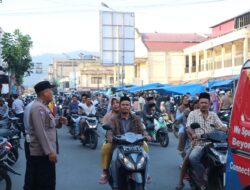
(130, 138)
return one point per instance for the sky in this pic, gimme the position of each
(58, 26)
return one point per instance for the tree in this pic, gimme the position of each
(16, 53)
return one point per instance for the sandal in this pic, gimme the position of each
(103, 179)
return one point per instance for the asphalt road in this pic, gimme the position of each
(78, 167)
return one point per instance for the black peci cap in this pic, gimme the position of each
(204, 95)
(39, 87)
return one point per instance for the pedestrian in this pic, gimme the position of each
(18, 109)
(43, 140)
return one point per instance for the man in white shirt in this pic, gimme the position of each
(141, 102)
(18, 109)
(89, 109)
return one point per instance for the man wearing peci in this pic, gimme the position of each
(43, 140)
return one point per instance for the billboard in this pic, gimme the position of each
(117, 37)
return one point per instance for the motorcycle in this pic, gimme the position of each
(175, 128)
(5, 180)
(12, 134)
(90, 132)
(101, 110)
(214, 160)
(158, 130)
(72, 125)
(132, 158)
(225, 116)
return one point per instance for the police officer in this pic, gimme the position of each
(43, 140)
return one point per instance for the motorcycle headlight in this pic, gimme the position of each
(161, 119)
(92, 126)
(128, 163)
(222, 157)
(141, 163)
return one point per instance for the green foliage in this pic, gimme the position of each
(16, 53)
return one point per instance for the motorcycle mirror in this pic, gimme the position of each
(195, 126)
(106, 127)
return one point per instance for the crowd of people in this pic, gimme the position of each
(43, 115)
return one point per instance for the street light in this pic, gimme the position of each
(106, 6)
(73, 69)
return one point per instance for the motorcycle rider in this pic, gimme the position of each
(205, 118)
(181, 119)
(88, 108)
(105, 158)
(146, 110)
(73, 105)
(115, 108)
(124, 122)
(150, 117)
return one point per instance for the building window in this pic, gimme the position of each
(193, 64)
(187, 64)
(242, 21)
(96, 80)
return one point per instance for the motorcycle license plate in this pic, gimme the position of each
(129, 149)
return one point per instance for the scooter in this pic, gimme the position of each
(90, 132)
(158, 130)
(72, 125)
(214, 160)
(132, 159)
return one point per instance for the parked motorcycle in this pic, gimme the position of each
(5, 180)
(214, 159)
(12, 134)
(90, 133)
(132, 158)
(158, 130)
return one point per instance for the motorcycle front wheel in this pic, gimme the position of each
(163, 139)
(175, 130)
(93, 141)
(5, 181)
(135, 186)
(13, 155)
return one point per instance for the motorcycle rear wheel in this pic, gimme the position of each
(5, 181)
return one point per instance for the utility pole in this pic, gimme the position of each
(1, 32)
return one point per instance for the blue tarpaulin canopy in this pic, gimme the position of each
(152, 86)
(224, 83)
(182, 89)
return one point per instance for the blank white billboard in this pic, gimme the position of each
(117, 37)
